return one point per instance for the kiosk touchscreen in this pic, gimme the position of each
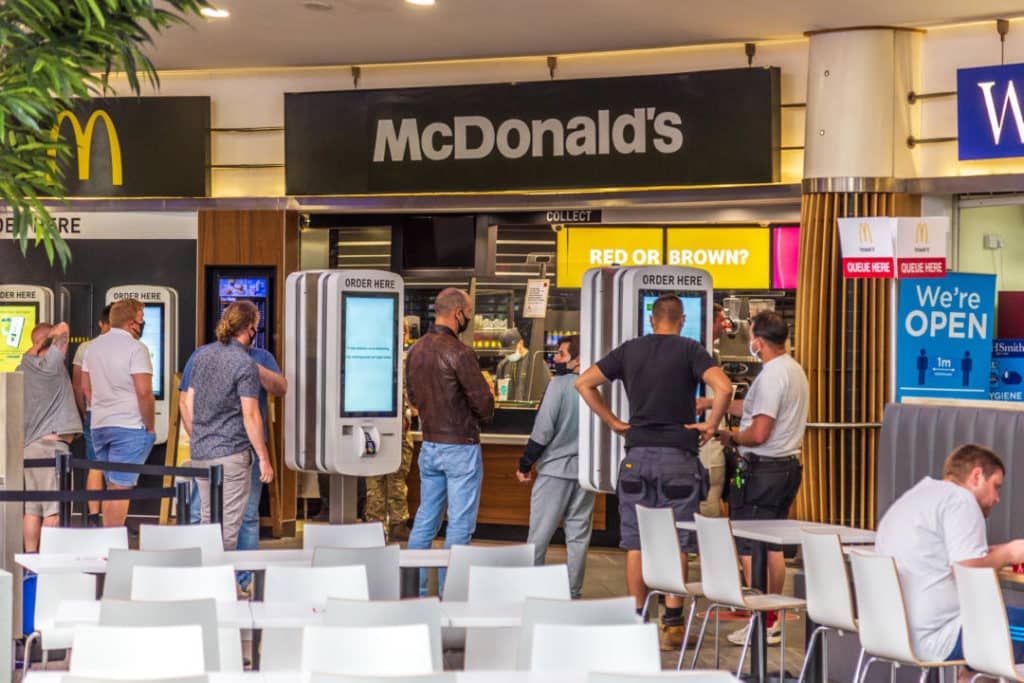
(160, 335)
(22, 307)
(300, 351)
(359, 372)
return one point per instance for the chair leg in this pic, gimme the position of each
(924, 675)
(867, 667)
(686, 632)
(820, 631)
(700, 636)
(752, 624)
(860, 663)
(46, 658)
(27, 654)
(718, 638)
(782, 646)
(647, 603)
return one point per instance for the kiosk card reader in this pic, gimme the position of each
(616, 307)
(22, 307)
(160, 336)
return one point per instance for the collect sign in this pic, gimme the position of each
(1006, 381)
(944, 344)
(737, 258)
(708, 127)
(580, 249)
(990, 123)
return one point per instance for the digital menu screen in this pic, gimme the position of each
(785, 257)
(369, 363)
(695, 322)
(254, 289)
(16, 324)
(153, 338)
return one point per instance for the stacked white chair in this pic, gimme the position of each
(361, 613)
(366, 535)
(116, 652)
(988, 649)
(367, 651)
(383, 568)
(616, 649)
(207, 537)
(603, 612)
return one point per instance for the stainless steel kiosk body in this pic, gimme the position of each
(300, 352)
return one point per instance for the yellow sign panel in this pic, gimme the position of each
(737, 258)
(16, 324)
(580, 249)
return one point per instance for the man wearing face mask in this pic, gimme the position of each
(773, 417)
(514, 367)
(444, 384)
(557, 496)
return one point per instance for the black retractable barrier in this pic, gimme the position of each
(217, 494)
(184, 502)
(64, 484)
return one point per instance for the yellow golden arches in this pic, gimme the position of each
(83, 141)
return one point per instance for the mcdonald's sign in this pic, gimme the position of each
(921, 247)
(867, 247)
(136, 147)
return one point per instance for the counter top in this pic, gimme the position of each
(490, 439)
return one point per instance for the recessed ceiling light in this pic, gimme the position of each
(424, 3)
(215, 13)
(318, 5)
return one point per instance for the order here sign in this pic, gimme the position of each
(580, 249)
(737, 258)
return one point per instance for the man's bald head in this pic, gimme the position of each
(450, 300)
(41, 332)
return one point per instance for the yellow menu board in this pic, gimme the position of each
(16, 324)
(737, 258)
(580, 249)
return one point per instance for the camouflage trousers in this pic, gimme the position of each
(387, 496)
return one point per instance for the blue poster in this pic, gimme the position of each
(989, 120)
(1006, 382)
(944, 342)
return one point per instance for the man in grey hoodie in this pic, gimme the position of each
(554, 446)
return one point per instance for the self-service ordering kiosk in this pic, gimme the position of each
(22, 307)
(343, 348)
(160, 335)
(616, 305)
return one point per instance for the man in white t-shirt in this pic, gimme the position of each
(117, 375)
(934, 525)
(94, 480)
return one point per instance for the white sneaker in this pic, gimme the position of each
(739, 636)
(773, 634)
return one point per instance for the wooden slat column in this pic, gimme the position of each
(842, 342)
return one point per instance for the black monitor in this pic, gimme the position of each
(439, 242)
(17, 320)
(369, 358)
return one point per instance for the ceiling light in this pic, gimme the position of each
(318, 5)
(424, 3)
(215, 13)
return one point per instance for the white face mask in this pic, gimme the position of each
(514, 357)
(752, 351)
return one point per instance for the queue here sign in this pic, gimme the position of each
(580, 249)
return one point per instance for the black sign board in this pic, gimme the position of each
(137, 147)
(708, 127)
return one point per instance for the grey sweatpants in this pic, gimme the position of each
(557, 500)
(237, 480)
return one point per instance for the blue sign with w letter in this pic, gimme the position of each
(990, 122)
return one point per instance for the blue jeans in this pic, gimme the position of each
(249, 534)
(1015, 617)
(449, 474)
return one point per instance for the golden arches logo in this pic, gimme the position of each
(83, 141)
(921, 233)
(864, 234)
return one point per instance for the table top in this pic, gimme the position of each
(71, 613)
(787, 531)
(460, 676)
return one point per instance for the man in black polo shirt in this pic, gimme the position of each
(661, 372)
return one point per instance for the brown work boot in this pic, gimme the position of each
(671, 638)
(399, 532)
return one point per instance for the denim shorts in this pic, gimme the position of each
(122, 445)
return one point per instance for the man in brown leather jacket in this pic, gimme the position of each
(445, 385)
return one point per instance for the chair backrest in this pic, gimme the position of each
(622, 649)
(462, 557)
(52, 589)
(659, 550)
(121, 563)
(79, 541)
(603, 612)
(184, 583)
(986, 631)
(436, 677)
(515, 584)
(315, 584)
(359, 613)
(719, 565)
(383, 572)
(127, 652)
(881, 611)
(71, 678)
(206, 537)
(695, 676)
(366, 535)
(829, 601)
(202, 613)
(361, 650)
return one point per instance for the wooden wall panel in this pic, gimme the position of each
(256, 238)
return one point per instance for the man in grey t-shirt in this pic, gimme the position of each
(51, 421)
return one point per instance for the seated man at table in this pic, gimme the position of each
(939, 522)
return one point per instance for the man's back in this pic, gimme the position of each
(49, 401)
(111, 360)
(926, 530)
(445, 385)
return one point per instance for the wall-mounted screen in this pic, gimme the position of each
(16, 324)
(153, 338)
(785, 257)
(254, 289)
(439, 242)
(695, 324)
(369, 363)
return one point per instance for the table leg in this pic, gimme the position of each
(258, 582)
(759, 580)
(410, 582)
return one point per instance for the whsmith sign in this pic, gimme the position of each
(709, 127)
(137, 147)
(990, 118)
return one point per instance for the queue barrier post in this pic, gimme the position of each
(64, 484)
(183, 496)
(217, 494)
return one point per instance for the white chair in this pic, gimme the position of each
(79, 541)
(662, 564)
(121, 562)
(360, 613)
(437, 677)
(383, 570)
(51, 590)
(882, 615)
(720, 578)
(184, 583)
(127, 652)
(462, 557)
(603, 612)
(71, 678)
(829, 601)
(370, 651)
(365, 535)
(986, 631)
(617, 649)
(206, 537)
(699, 676)
(495, 648)
(202, 613)
(313, 585)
